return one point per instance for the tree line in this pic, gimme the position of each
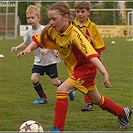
(99, 17)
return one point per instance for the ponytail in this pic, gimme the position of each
(44, 34)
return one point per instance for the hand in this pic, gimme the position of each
(44, 51)
(56, 53)
(107, 85)
(25, 53)
(13, 49)
(106, 81)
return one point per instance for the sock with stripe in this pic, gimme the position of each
(108, 105)
(61, 108)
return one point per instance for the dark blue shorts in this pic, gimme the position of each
(50, 70)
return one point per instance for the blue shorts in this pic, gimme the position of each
(50, 70)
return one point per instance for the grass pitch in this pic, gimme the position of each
(17, 93)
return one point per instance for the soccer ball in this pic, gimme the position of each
(31, 126)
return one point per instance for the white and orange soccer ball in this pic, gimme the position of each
(31, 126)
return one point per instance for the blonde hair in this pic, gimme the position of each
(33, 9)
(82, 5)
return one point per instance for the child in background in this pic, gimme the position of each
(81, 61)
(83, 22)
(45, 60)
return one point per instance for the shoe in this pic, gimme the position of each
(72, 95)
(124, 119)
(40, 101)
(88, 107)
(54, 129)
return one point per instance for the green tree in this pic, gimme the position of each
(106, 17)
(22, 6)
(129, 4)
(45, 5)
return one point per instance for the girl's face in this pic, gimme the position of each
(82, 14)
(58, 22)
(32, 19)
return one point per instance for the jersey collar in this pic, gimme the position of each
(85, 25)
(67, 31)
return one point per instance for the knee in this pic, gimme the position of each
(60, 89)
(34, 79)
(55, 82)
(97, 100)
(100, 101)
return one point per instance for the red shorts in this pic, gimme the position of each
(83, 79)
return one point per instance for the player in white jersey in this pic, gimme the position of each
(45, 60)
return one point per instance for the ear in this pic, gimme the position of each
(39, 18)
(88, 12)
(66, 17)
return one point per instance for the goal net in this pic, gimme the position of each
(8, 20)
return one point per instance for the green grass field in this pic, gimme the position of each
(17, 93)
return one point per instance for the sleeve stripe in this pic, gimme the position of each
(101, 49)
(35, 40)
(92, 55)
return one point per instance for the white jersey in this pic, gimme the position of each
(40, 59)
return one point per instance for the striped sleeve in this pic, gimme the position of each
(49, 44)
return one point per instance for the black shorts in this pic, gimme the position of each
(50, 70)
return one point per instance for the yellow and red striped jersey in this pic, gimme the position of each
(73, 47)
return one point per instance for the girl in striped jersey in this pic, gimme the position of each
(81, 61)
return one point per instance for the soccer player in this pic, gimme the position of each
(81, 61)
(83, 22)
(45, 60)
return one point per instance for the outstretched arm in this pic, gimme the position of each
(15, 48)
(28, 50)
(102, 69)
